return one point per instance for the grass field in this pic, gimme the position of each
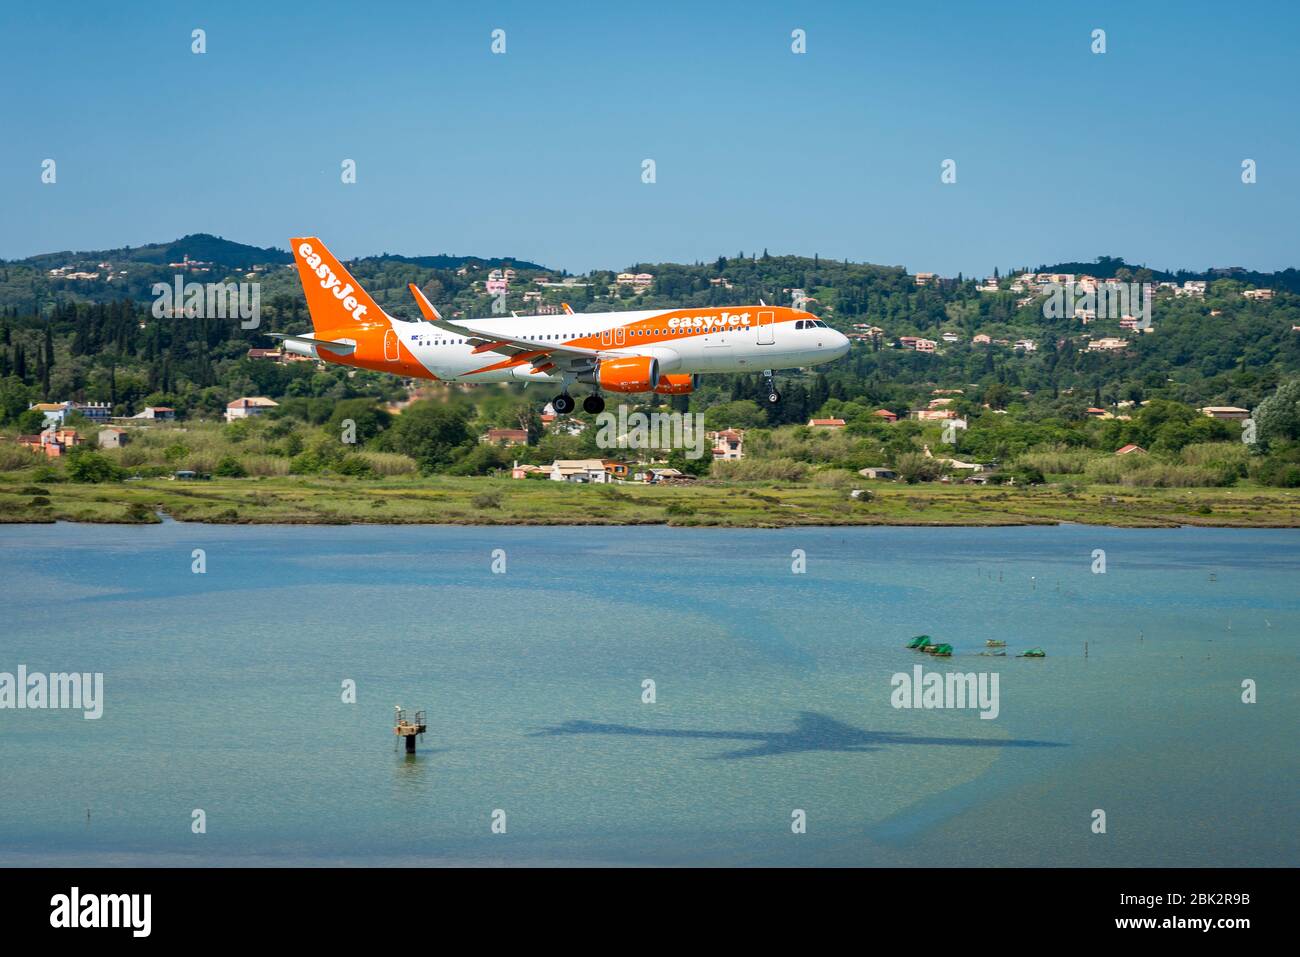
(485, 501)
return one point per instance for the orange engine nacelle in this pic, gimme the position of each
(633, 374)
(681, 384)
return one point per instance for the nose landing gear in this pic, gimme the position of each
(769, 384)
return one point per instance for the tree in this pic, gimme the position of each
(14, 398)
(432, 434)
(229, 467)
(92, 467)
(31, 421)
(368, 418)
(742, 414)
(997, 396)
(1277, 418)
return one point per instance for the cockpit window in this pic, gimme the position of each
(798, 324)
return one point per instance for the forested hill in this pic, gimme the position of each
(1108, 267)
(37, 283)
(68, 336)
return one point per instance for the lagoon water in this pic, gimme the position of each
(773, 693)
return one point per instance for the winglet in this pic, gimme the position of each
(568, 310)
(426, 307)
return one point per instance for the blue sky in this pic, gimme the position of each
(1061, 154)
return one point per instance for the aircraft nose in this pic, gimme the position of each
(840, 345)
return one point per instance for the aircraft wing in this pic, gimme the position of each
(513, 351)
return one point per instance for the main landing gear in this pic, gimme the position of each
(563, 404)
(769, 383)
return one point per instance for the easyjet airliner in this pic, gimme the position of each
(658, 350)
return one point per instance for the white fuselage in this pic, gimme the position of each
(668, 335)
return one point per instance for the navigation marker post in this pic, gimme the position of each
(408, 728)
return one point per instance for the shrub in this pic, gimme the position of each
(761, 470)
(14, 457)
(835, 478)
(1148, 474)
(229, 467)
(488, 499)
(355, 466)
(913, 467)
(389, 463)
(1057, 461)
(92, 467)
(265, 465)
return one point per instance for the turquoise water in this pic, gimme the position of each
(223, 692)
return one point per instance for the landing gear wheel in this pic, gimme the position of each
(773, 397)
(562, 404)
(593, 405)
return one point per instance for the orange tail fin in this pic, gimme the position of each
(335, 301)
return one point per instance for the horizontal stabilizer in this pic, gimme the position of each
(341, 347)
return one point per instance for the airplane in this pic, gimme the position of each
(650, 350)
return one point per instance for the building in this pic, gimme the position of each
(656, 476)
(1107, 344)
(885, 415)
(1026, 345)
(933, 415)
(926, 278)
(95, 411)
(826, 423)
(579, 470)
(112, 437)
(505, 437)
(1228, 413)
(150, 413)
(728, 444)
(616, 470)
(1260, 295)
(248, 407)
(54, 441)
(877, 473)
(980, 339)
(1130, 449)
(1193, 287)
(277, 355)
(527, 471)
(53, 411)
(917, 343)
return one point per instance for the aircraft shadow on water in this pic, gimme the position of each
(811, 732)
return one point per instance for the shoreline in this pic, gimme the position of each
(480, 501)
